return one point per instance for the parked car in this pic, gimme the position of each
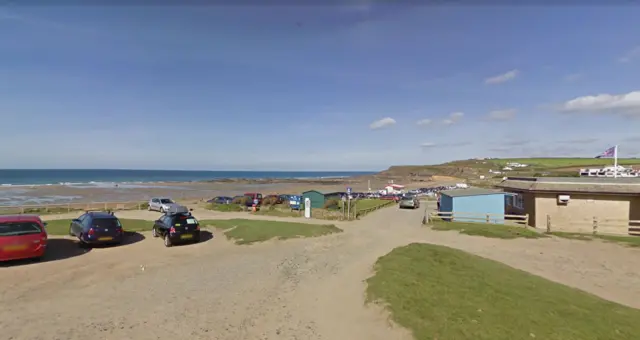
(161, 204)
(177, 225)
(221, 200)
(97, 227)
(409, 202)
(22, 237)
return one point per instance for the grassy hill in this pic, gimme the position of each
(474, 168)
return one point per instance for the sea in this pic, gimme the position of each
(37, 177)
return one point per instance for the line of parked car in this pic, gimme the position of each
(25, 236)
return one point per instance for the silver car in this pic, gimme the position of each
(161, 204)
(409, 202)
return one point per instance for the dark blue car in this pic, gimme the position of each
(221, 200)
(97, 227)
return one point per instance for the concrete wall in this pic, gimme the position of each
(477, 206)
(577, 215)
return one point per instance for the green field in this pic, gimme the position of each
(488, 230)
(443, 293)
(244, 231)
(473, 168)
(61, 227)
(553, 163)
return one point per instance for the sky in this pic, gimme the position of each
(358, 87)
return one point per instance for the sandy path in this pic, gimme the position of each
(296, 289)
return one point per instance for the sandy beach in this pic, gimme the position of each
(61, 194)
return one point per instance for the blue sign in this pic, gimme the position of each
(348, 190)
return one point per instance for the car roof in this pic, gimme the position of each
(100, 214)
(20, 218)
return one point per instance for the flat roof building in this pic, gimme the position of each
(573, 203)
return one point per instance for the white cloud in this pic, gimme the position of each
(627, 104)
(382, 123)
(423, 122)
(454, 117)
(630, 55)
(573, 77)
(428, 145)
(501, 78)
(506, 114)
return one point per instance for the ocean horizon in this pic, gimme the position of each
(29, 177)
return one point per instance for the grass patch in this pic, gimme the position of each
(443, 293)
(278, 212)
(251, 231)
(225, 207)
(370, 203)
(630, 241)
(61, 227)
(488, 230)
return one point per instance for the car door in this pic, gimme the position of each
(165, 224)
(155, 204)
(76, 224)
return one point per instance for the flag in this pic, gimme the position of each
(610, 152)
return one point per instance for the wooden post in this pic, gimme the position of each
(105, 206)
(548, 223)
(21, 209)
(526, 220)
(595, 225)
(68, 207)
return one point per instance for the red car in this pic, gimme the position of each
(22, 237)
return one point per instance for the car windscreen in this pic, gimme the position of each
(166, 201)
(106, 223)
(19, 228)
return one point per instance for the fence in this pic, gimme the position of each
(519, 220)
(594, 225)
(69, 207)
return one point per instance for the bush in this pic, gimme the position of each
(270, 200)
(144, 206)
(332, 203)
(225, 207)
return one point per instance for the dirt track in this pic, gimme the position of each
(295, 289)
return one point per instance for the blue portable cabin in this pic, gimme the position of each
(475, 202)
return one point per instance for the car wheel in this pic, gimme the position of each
(154, 232)
(81, 243)
(149, 208)
(167, 241)
(71, 232)
(162, 210)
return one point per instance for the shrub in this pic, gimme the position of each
(331, 203)
(225, 207)
(270, 200)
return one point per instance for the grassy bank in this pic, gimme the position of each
(488, 230)
(244, 231)
(225, 207)
(443, 293)
(631, 241)
(61, 227)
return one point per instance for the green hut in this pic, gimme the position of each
(317, 198)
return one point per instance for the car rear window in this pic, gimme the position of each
(19, 228)
(166, 201)
(185, 220)
(106, 222)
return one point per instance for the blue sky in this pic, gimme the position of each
(314, 88)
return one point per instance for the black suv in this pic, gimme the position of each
(97, 227)
(177, 225)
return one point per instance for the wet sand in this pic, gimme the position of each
(57, 194)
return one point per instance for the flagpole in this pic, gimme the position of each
(615, 161)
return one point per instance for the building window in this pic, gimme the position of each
(518, 201)
(515, 200)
